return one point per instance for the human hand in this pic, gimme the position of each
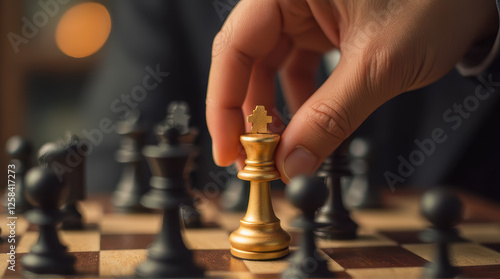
(387, 47)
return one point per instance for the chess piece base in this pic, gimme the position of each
(251, 255)
(433, 270)
(257, 241)
(44, 264)
(308, 269)
(337, 232)
(159, 269)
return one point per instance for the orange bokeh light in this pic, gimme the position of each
(83, 29)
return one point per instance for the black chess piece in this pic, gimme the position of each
(444, 210)
(48, 256)
(237, 192)
(74, 180)
(20, 151)
(65, 159)
(360, 193)
(307, 194)
(130, 188)
(178, 116)
(333, 213)
(168, 256)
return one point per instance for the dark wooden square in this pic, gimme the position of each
(480, 271)
(408, 237)
(126, 241)
(87, 264)
(5, 245)
(494, 246)
(218, 260)
(374, 257)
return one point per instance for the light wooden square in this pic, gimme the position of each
(131, 224)
(206, 239)
(278, 266)
(383, 273)
(461, 254)
(229, 275)
(92, 211)
(21, 225)
(4, 264)
(260, 267)
(364, 239)
(377, 220)
(75, 241)
(482, 233)
(120, 262)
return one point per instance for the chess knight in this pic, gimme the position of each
(260, 236)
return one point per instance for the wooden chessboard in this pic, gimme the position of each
(113, 244)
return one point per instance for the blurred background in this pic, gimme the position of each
(69, 64)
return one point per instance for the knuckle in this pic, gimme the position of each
(221, 41)
(330, 120)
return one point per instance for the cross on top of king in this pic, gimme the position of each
(259, 120)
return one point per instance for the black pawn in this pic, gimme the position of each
(335, 216)
(360, 193)
(168, 256)
(61, 156)
(444, 210)
(307, 194)
(20, 151)
(236, 194)
(130, 188)
(74, 181)
(48, 256)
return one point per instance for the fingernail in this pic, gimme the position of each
(299, 161)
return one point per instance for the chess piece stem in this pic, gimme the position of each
(307, 194)
(131, 186)
(444, 210)
(333, 213)
(261, 208)
(48, 255)
(360, 192)
(168, 256)
(76, 186)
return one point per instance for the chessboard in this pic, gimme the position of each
(112, 244)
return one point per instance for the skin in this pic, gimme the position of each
(387, 47)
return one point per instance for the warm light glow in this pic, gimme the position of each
(83, 29)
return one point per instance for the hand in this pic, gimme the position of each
(387, 47)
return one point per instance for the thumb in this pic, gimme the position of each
(328, 117)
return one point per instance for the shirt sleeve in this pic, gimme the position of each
(477, 62)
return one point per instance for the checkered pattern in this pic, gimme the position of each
(388, 246)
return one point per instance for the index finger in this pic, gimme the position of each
(250, 32)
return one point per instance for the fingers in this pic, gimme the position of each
(328, 117)
(298, 77)
(261, 89)
(251, 31)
